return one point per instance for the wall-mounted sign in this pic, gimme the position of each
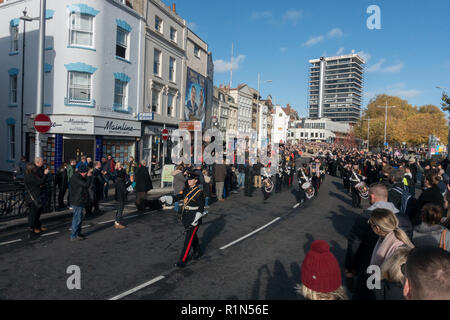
(72, 125)
(117, 127)
(147, 116)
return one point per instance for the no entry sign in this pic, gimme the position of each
(165, 134)
(42, 123)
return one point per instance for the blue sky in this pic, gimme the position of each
(408, 57)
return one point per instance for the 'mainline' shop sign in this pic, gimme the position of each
(115, 127)
(94, 126)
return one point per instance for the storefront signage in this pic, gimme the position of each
(116, 127)
(71, 125)
(149, 116)
(190, 125)
(167, 173)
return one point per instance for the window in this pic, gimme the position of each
(80, 87)
(197, 51)
(173, 34)
(155, 100)
(158, 24)
(13, 89)
(172, 63)
(157, 62)
(11, 142)
(120, 94)
(14, 39)
(81, 30)
(170, 106)
(121, 43)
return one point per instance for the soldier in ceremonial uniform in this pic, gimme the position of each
(191, 214)
(355, 178)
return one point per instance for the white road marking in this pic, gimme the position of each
(126, 293)
(109, 221)
(250, 234)
(50, 234)
(8, 242)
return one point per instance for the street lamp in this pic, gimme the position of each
(25, 18)
(448, 144)
(257, 113)
(385, 120)
(41, 56)
(368, 132)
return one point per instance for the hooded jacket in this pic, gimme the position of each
(426, 235)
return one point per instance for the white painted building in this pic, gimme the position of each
(93, 79)
(280, 125)
(164, 77)
(243, 98)
(323, 130)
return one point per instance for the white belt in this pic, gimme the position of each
(191, 208)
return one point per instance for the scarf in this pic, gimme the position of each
(385, 248)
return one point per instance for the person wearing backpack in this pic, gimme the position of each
(395, 192)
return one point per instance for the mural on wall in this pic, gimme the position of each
(195, 102)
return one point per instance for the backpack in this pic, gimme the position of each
(408, 202)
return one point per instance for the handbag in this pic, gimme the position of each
(36, 202)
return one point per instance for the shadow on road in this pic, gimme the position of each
(280, 285)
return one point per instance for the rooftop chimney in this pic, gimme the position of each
(174, 9)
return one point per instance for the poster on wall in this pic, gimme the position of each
(195, 102)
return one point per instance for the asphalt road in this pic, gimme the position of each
(135, 263)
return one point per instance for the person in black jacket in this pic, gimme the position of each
(122, 184)
(79, 199)
(92, 190)
(62, 183)
(33, 182)
(143, 185)
(360, 245)
(431, 194)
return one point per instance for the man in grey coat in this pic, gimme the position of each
(220, 172)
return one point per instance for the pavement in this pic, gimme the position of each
(22, 222)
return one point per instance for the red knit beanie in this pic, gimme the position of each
(320, 269)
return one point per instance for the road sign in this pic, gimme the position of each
(42, 123)
(165, 134)
(146, 116)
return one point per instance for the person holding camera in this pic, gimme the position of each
(79, 199)
(33, 182)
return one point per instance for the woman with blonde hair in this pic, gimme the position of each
(392, 276)
(385, 224)
(321, 274)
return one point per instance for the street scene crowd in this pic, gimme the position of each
(403, 233)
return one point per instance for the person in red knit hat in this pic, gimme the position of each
(321, 274)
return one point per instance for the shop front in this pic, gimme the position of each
(72, 137)
(154, 150)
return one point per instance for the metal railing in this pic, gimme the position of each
(13, 203)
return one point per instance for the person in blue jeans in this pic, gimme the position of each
(79, 199)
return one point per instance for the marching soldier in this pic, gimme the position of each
(192, 212)
(355, 178)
